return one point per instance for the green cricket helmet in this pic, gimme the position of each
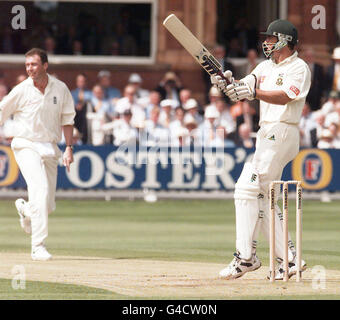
(285, 32)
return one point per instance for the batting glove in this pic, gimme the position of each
(244, 89)
(240, 91)
(220, 82)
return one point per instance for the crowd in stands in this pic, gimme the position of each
(169, 114)
(86, 35)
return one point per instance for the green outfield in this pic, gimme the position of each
(192, 231)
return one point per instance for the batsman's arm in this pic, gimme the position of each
(274, 97)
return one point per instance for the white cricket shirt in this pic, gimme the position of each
(39, 117)
(292, 76)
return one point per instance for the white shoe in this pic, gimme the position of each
(25, 222)
(238, 267)
(279, 272)
(40, 253)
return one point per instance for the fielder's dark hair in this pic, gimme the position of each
(39, 52)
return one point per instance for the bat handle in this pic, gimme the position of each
(220, 73)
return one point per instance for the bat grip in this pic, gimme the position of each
(220, 73)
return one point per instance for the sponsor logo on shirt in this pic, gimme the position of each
(272, 138)
(295, 90)
(253, 177)
(279, 81)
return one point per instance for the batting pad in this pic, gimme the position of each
(247, 215)
(247, 186)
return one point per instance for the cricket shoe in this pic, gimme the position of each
(39, 253)
(238, 267)
(25, 222)
(292, 269)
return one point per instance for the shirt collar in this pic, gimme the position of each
(49, 81)
(288, 59)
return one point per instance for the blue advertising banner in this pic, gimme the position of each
(109, 167)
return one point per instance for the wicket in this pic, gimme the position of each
(285, 228)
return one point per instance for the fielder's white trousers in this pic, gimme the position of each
(40, 174)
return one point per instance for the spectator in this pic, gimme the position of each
(179, 137)
(50, 45)
(127, 43)
(113, 48)
(326, 140)
(317, 80)
(81, 97)
(76, 138)
(101, 109)
(319, 118)
(244, 138)
(99, 103)
(123, 131)
(333, 73)
(191, 107)
(154, 134)
(178, 122)
(166, 115)
(246, 35)
(77, 48)
(219, 52)
(170, 86)
(111, 93)
(191, 125)
(307, 126)
(129, 101)
(153, 101)
(6, 44)
(136, 81)
(235, 49)
(329, 105)
(249, 66)
(208, 130)
(184, 96)
(214, 95)
(249, 116)
(334, 128)
(333, 117)
(225, 119)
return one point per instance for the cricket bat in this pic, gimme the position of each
(193, 46)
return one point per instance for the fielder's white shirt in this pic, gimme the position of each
(292, 76)
(39, 117)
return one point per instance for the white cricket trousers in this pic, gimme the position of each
(277, 144)
(40, 174)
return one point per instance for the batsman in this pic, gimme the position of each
(281, 83)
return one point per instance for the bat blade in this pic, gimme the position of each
(193, 45)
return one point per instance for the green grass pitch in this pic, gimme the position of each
(182, 230)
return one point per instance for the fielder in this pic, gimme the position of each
(42, 107)
(281, 83)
